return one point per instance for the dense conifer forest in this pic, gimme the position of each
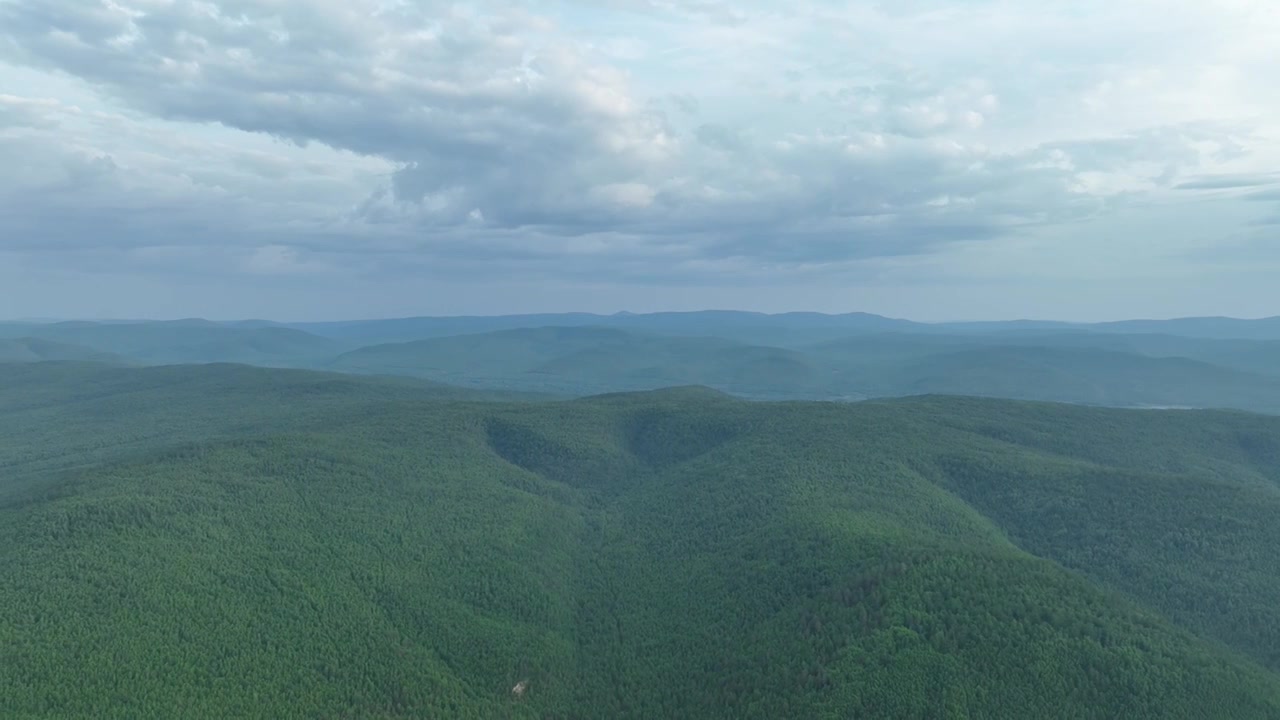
(224, 541)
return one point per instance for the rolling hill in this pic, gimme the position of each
(585, 360)
(240, 542)
(187, 341)
(55, 415)
(785, 330)
(1083, 375)
(1201, 327)
(27, 350)
(790, 330)
(787, 356)
(1070, 367)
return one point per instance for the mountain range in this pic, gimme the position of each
(1192, 362)
(220, 540)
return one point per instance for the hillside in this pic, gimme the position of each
(585, 360)
(1253, 356)
(187, 341)
(1084, 375)
(28, 350)
(1201, 327)
(1101, 369)
(56, 415)
(312, 545)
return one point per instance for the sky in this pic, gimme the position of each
(936, 160)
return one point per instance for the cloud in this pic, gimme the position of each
(19, 112)
(1229, 182)
(636, 139)
(282, 260)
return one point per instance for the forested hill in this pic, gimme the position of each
(315, 545)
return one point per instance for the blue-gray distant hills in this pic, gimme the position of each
(777, 329)
(30, 350)
(1188, 362)
(186, 341)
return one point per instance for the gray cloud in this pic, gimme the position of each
(481, 122)
(470, 113)
(304, 137)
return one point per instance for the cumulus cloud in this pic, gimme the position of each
(645, 139)
(472, 105)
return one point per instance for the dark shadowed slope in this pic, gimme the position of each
(668, 554)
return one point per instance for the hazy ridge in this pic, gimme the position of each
(1192, 362)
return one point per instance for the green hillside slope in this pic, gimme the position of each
(58, 415)
(669, 554)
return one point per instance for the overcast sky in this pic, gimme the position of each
(962, 159)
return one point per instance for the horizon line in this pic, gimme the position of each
(625, 313)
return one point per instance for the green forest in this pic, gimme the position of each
(231, 542)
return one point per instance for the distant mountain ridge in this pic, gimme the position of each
(1194, 362)
(591, 359)
(587, 360)
(697, 321)
(28, 349)
(186, 341)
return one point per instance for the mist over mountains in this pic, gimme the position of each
(1189, 362)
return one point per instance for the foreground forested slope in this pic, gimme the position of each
(233, 542)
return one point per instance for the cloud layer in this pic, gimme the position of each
(635, 142)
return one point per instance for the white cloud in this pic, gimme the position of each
(573, 139)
